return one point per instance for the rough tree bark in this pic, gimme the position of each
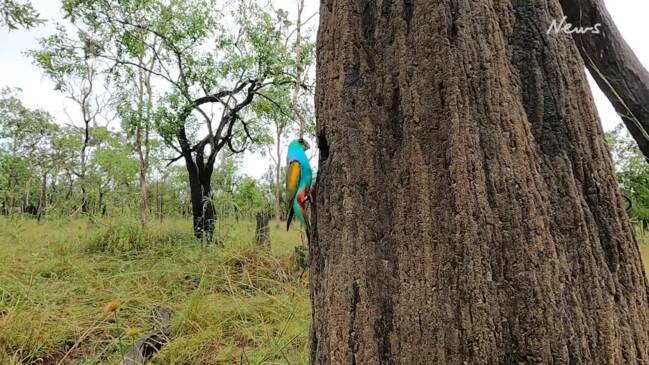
(614, 66)
(200, 187)
(466, 210)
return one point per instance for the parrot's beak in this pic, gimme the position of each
(304, 144)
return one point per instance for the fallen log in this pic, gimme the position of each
(145, 348)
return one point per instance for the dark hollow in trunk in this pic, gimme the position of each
(262, 235)
(466, 209)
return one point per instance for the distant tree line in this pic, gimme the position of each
(40, 164)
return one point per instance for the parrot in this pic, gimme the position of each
(298, 183)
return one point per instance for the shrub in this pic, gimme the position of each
(129, 237)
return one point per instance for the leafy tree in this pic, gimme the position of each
(69, 61)
(24, 141)
(250, 198)
(289, 113)
(213, 73)
(632, 172)
(135, 106)
(114, 169)
(15, 14)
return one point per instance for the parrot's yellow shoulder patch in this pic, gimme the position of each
(292, 179)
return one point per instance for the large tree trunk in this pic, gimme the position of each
(466, 209)
(200, 188)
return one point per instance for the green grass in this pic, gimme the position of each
(232, 304)
(235, 303)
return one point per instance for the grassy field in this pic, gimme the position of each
(235, 303)
(231, 304)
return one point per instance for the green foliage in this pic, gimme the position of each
(191, 49)
(632, 171)
(238, 196)
(119, 237)
(302, 257)
(148, 64)
(250, 198)
(15, 14)
(26, 151)
(22, 129)
(113, 159)
(64, 57)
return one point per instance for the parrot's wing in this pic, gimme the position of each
(293, 173)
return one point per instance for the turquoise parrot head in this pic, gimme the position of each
(297, 145)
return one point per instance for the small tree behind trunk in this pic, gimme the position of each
(42, 202)
(262, 234)
(278, 172)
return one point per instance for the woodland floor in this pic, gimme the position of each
(231, 304)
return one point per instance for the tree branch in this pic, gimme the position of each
(216, 97)
(613, 65)
(172, 160)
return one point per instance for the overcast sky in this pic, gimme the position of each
(16, 70)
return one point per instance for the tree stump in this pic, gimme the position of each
(262, 236)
